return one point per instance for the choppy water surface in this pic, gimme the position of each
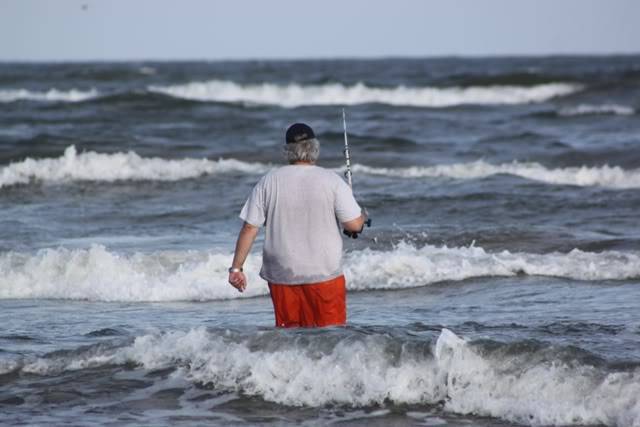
(498, 286)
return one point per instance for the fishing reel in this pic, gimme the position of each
(354, 234)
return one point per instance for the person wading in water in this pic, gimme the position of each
(302, 255)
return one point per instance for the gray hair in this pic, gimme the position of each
(304, 151)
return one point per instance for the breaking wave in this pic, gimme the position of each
(587, 109)
(51, 95)
(129, 166)
(410, 266)
(528, 383)
(295, 95)
(98, 274)
(584, 176)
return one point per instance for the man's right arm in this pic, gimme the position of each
(246, 237)
(252, 214)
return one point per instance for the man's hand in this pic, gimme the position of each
(247, 235)
(238, 280)
(356, 226)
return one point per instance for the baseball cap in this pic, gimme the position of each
(299, 132)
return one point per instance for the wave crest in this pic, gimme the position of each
(409, 266)
(588, 109)
(129, 166)
(362, 369)
(98, 274)
(295, 95)
(51, 95)
(583, 176)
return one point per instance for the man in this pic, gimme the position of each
(300, 206)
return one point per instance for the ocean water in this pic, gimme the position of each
(498, 286)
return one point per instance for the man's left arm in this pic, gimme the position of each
(356, 225)
(246, 237)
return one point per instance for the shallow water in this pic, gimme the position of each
(499, 284)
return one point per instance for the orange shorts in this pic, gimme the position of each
(311, 305)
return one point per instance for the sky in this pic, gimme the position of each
(80, 30)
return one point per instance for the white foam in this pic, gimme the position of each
(129, 166)
(51, 95)
(295, 95)
(148, 71)
(583, 176)
(8, 365)
(360, 371)
(98, 274)
(588, 109)
(545, 393)
(409, 266)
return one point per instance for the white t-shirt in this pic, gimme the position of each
(301, 206)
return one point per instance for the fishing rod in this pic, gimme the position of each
(348, 175)
(347, 155)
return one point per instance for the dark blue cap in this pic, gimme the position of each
(299, 132)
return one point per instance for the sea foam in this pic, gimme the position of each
(583, 176)
(51, 95)
(129, 166)
(376, 369)
(589, 109)
(98, 274)
(295, 95)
